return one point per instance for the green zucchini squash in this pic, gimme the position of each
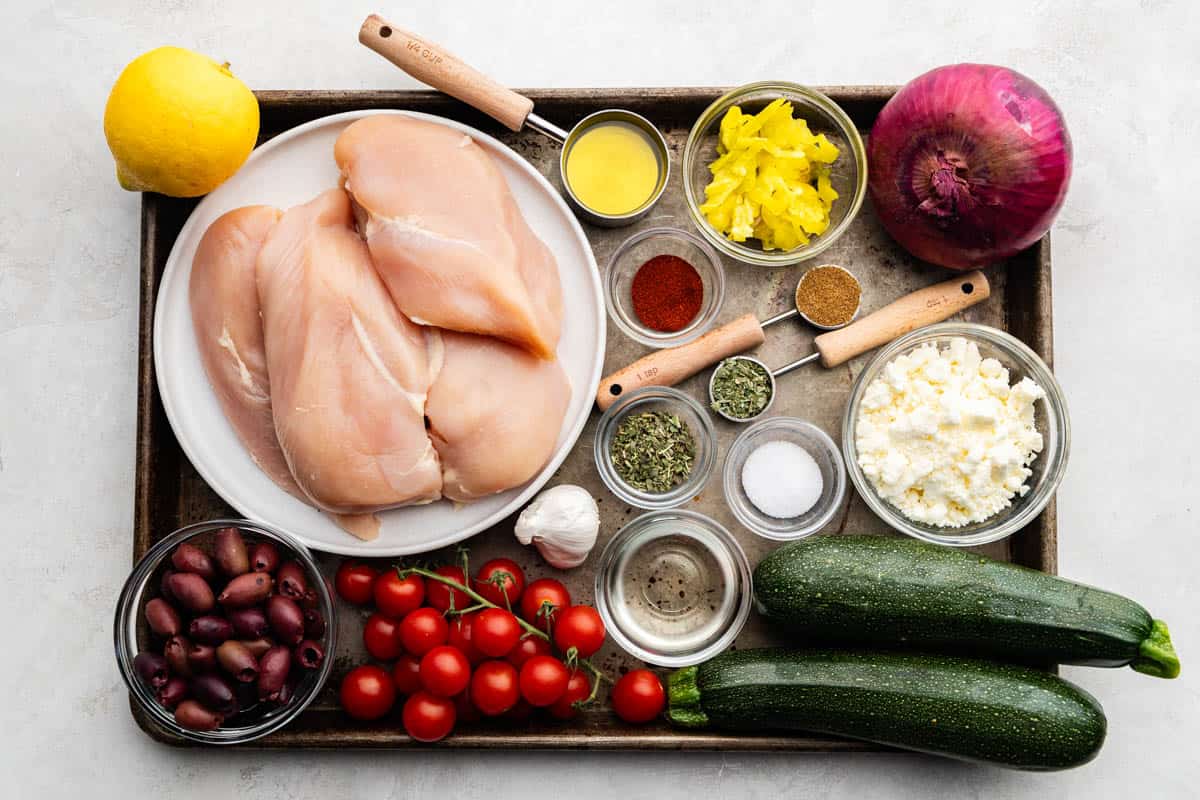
(973, 710)
(886, 591)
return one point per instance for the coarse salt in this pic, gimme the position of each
(782, 480)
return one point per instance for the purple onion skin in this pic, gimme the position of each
(193, 716)
(264, 557)
(314, 624)
(248, 623)
(172, 693)
(162, 617)
(215, 692)
(237, 660)
(192, 592)
(273, 669)
(246, 590)
(292, 581)
(175, 651)
(152, 669)
(258, 646)
(189, 558)
(210, 629)
(229, 549)
(309, 654)
(286, 619)
(968, 164)
(202, 658)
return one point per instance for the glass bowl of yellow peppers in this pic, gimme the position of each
(774, 173)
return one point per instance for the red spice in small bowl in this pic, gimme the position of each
(667, 293)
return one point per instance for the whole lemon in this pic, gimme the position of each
(179, 123)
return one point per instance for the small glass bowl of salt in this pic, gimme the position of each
(784, 478)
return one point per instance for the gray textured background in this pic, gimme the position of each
(1126, 74)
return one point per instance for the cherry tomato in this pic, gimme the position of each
(495, 631)
(579, 627)
(544, 592)
(466, 710)
(578, 689)
(423, 630)
(638, 696)
(500, 581)
(526, 649)
(381, 635)
(428, 717)
(396, 596)
(354, 582)
(407, 674)
(461, 635)
(494, 687)
(445, 671)
(543, 680)
(438, 594)
(367, 692)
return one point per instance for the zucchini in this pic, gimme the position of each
(884, 591)
(974, 710)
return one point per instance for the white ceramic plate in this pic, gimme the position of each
(289, 170)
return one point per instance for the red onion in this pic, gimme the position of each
(969, 164)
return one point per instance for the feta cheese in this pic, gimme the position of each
(944, 437)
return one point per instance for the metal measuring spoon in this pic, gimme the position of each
(432, 64)
(671, 365)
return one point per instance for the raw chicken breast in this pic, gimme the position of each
(228, 328)
(494, 414)
(446, 234)
(349, 374)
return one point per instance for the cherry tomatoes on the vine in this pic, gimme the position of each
(445, 671)
(527, 648)
(354, 582)
(495, 631)
(428, 717)
(543, 680)
(423, 630)
(542, 600)
(381, 635)
(579, 627)
(396, 596)
(462, 636)
(367, 692)
(578, 689)
(438, 594)
(638, 696)
(407, 674)
(494, 687)
(501, 582)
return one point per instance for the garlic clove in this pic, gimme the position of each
(563, 523)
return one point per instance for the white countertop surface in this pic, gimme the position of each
(1126, 287)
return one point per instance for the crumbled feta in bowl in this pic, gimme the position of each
(956, 433)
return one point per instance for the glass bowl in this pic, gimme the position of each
(1050, 417)
(673, 588)
(636, 251)
(818, 445)
(656, 398)
(131, 634)
(848, 173)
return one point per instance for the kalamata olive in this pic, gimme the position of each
(309, 654)
(246, 590)
(236, 659)
(215, 692)
(286, 618)
(202, 658)
(289, 690)
(264, 557)
(193, 716)
(314, 624)
(210, 629)
(230, 550)
(164, 588)
(172, 693)
(258, 646)
(273, 670)
(310, 599)
(248, 623)
(292, 581)
(192, 591)
(162, 617)
(247, 696)
(152, 669)
(189, 558)
(175, 651)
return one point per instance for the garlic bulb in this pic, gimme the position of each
(562, 522)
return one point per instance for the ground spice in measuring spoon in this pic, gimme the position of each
(667, 293)
(828, 296)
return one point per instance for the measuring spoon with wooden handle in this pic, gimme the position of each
(923, 307)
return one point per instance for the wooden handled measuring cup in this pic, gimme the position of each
(922, 307)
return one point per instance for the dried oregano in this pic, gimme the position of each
(653, 451)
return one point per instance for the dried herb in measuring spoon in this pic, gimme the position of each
(741, 388)
(653, 451)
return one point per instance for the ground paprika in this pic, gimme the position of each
(667, 293)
